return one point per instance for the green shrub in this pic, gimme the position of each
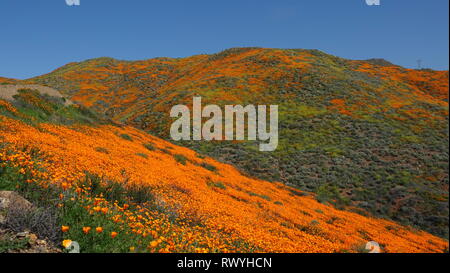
(265, 197)
(219, 185)
(142, 155)
(126, 137)
(209, 167)
(180, 159)
(149, 146)
(12, 244)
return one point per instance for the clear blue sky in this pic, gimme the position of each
(39, 36)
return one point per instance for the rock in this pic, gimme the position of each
(33, 245)
(9, 200)
(23, 234)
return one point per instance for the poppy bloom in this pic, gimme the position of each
(66, 243)
(114, 234)
(153, 243)
(86, 230)
(65, 228)
(99, 229)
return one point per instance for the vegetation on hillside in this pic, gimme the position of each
(139, 193)
(363, 133)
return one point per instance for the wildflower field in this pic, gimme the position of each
(365, 133)
(116, 188)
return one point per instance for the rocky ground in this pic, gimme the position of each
(24, 242)
(12, 241)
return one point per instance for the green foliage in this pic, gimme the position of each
(330, 194)
(122, 192)
(149, 146)
(209, 167)
(180, 159)
(126, 137)
(73, 213)
(35, 108)
(12, 244)
(259, 195)
(218, 184)
(77, 217)
(142, 155)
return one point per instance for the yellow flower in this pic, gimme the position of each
(153, 243)
(66, 243)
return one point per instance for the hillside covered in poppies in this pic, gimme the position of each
(115, 188)
(364, 133)
(363, 152)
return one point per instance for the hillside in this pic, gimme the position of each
(10, 90)
(5, 81)
(140, 193)
(363, 133)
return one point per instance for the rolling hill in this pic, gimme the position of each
(366, 136)
(139, 193)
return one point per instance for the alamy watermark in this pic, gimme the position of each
(368, 2)
(373, 247)
(230, 128)
(73, 2)
(373, 2)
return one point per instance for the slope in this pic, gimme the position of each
(197, 204)
(363, 133)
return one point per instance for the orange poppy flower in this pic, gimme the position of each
(65, 228)
(86, 230)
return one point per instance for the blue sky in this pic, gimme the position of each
(39, 36)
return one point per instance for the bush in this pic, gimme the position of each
(41, 221)
(149, 146)
(180, 159)
(209, 167)
(115, 191)
(219, 185)
(142, 155)
(126, 137)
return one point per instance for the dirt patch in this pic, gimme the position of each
(8, 91)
